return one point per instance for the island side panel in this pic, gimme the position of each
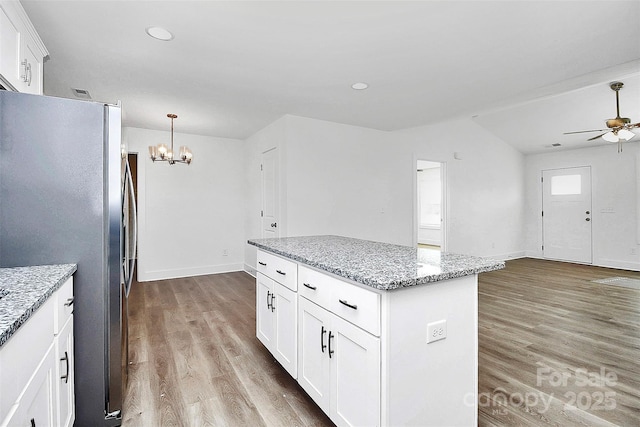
(430, 384)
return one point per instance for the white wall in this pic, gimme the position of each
(485, 189)
(361, 183)
(189, 214)
(346, 180)
(615, 216)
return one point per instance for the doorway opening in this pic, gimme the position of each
(430, 205)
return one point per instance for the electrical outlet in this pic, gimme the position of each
(225, 252)
(436, 331)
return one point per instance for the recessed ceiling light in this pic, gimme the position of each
(359, 86)
(159, 33)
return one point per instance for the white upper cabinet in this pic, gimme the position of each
(22, 52)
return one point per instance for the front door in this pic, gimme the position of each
(270, 194)
(566, 214)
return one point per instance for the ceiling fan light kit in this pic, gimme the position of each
(619, 127)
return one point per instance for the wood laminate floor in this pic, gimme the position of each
(550, 343)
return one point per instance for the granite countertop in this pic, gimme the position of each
(24, 289)
(379, 265)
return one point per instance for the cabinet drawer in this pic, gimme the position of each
(356, 305)
(315, 286)
(359, 306)
(64, 304)
(279, 269)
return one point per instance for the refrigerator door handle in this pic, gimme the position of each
(132, 261)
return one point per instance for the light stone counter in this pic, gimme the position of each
(382, 266)
(24, 289)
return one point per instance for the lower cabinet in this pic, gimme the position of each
(339, 366)
(276, 312)
(37, 403)
(64, 375)
(38, 390)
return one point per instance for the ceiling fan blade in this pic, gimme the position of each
(585, 131)
(595, 137)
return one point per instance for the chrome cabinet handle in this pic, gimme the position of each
(268, 302)
(306, 285)
(28, 80)
(355, 307)
(323, 331)
(23, 76)
(69, 302)
(281, 272)
(330, 351)
(65, 377)
(273, 306)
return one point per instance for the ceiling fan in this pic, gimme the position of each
(619, 128)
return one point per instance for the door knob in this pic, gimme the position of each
(274, 224)
(587, 212)
(587, 219)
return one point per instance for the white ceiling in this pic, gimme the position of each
(528, 70)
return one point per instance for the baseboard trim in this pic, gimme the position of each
(148, 276)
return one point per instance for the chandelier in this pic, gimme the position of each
(161, 153)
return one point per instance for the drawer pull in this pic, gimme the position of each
(306, 285)
(69, 302)
(66, 376)
(355, 307)
(264, 264)
(323, 331)
(330, 351)
(281, 272)
(33, 422)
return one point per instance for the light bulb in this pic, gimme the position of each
(162, 150)
(153, 152)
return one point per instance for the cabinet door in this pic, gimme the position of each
(355, 375)
(64, 375)
(37, 406)
(313, 356)
(264, 315)
(285, 311)
(9, 49)
(32, 80)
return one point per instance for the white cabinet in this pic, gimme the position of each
(363, 353)
(21, 50)
(339, 366)
(277, 309)
(38, 389)
(37, 402)
(65, 381)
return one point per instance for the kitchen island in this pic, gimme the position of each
(375, 333)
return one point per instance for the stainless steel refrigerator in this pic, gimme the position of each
(64, 191)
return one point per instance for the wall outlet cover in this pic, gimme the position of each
(436, 331)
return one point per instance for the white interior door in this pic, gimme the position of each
(270, 194)
(566, 214)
